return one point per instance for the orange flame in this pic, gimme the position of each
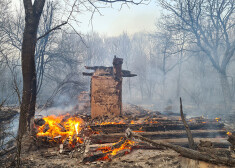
(229, 133)
(112, 152)
(66, 127)
(109, 123)
(217, 119)
(138, 131)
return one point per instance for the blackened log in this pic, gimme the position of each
(62, 128)
(46, 128)
(216, 152)
(93, 158)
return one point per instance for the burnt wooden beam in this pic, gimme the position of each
(110, 138)
(112, 128)
(98, 67)
(87, 74)
(217, 143)
(126, 73)
(123, 74)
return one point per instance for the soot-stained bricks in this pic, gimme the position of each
(106, 88)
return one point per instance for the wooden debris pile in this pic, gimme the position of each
(82, 136)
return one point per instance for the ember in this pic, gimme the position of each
(229, 133)
(122, 144)
(107, 123)
(217, 119)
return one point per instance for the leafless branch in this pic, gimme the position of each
(55, 28)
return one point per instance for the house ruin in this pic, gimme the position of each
(106, 88)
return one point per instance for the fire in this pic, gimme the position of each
(138, 131)
(109, 123)
(229, 133)
(217, 119)
(127, 144)
(66, 127)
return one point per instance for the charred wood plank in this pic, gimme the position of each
(87, 74)
(108, 138)
(112, 128)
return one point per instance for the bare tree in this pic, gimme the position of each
(33, 12)
(210, 25)
(44, 44)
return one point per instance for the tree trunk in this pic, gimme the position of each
(27, 109)
(226, 92)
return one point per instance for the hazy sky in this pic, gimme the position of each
(114, 22)
(131, 20)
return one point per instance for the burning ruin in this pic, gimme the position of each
(107, 140)
(111, 131)
(106, 88)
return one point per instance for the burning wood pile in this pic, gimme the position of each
(106, 138)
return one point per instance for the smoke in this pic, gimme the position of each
(60, 110)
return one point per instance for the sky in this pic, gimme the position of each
(114, 21)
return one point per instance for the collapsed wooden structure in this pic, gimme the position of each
(107, 138)
(165, 129)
